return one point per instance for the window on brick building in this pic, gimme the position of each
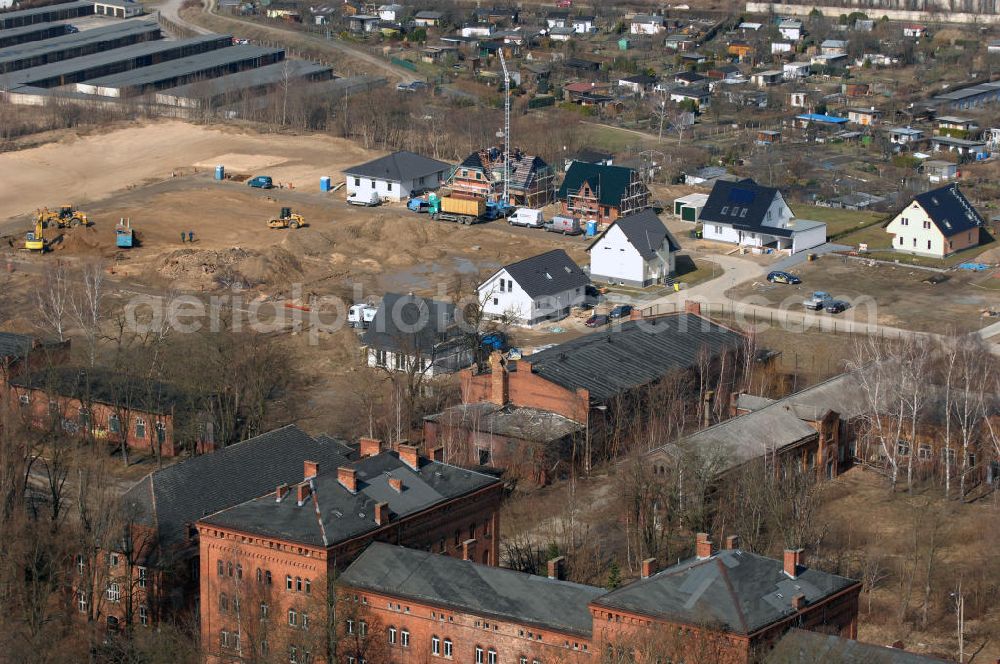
(902, 448)
(435, 645)
(141, 571)
(523, 660)
(288, 582)
(81, 565)
(298, 584)
(267, 577)
(924, 451)
(404, 638)
(293, 655)
(491, 657)
(363, 628)
(114, 424)
(239, 571)
(350, 626)
(224, 639)
(472, 530)
(81, 602)
(305, 621)
(229, 568)
(264, 609)
(223, 603)
(308, 585)
(447, 648)
(260, 575)
(219, 567)
(392, 636)
(265, 648)
(113, 559)
(140, 427)
(479, 655)
(143, 615)
(293, 618)
(113, 592)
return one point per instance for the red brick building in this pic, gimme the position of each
(20, 353)
(604, 193)
(726, 606)
(276, 557)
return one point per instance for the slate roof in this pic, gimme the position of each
(689, 76)
(641, 79)
(412, 324)
(735, 590)
(592, 156)
(743, 205)
(547, 274)
(531, 424)
(15, 346)
(800, 646)
(610, 182)
(644, 231)
(950, 210)
(482, 590)
(632, 354)
(98, 385)
(399, 166)
(334, 514)
(172, 499)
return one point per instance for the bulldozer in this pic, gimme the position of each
(35, 240)
(288, 219)
(64, 217)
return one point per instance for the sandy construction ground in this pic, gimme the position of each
(83, 169)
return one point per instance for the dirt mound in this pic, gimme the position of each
(277, 267)
(82, 241)
(308, 242)
(188, 263)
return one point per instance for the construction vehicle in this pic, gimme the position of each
(361, 315)
(288, 219)
(125, 237)
(35, 240)
(64, 217)
(462, 210)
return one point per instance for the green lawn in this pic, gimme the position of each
(880, 244)
(609, 138)
(837, 220)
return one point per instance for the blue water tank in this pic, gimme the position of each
(220, 172)
(592, 228)
(325, 183)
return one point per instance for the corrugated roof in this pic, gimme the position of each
(481, 590)
(399, 167)
(550, 273)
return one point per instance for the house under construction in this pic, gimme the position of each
(604, 193)
(480, 175)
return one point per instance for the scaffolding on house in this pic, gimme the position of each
(531, 180)
(585, 201)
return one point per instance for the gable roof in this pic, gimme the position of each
(631, 355)
(15, 346)
(411, 323)
(742, 204)
(609, 182)
(801, 646)
(644, 231)
(333, 514)
(690, 76)
(591, 155)
(102, 385)
(482, 590)
(949, 209)
(547, 274)
(399, 166)
(734, 590)
(172, 499)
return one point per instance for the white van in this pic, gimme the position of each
(528, 217)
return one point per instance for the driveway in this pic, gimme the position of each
(789, 262)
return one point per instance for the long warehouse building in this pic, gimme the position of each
(46, 14)
(226, 89)
(181, 71)
(76, 45)
(32, 33)
(113, 62)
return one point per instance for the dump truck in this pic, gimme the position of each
(125, 237)
(462, 210)
(64, 217)
(288, 219)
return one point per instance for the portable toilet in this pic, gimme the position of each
(624, 44)
(325, 183)
(591, 227)
(220, 172)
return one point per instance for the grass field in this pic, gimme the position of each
(838, 220)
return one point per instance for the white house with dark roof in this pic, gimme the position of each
(747, 214)
(537, 289)
(396, 176)
(936, 223)
(636, 250)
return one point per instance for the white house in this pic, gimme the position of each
(427, 18)
(534, 290)
(748, 214)
(639, 84)
(780, 47)
(636, 250)
(700, 95)
(914, 30)
(416, 335)
(561, 34)
(905, 135)
(689, 207)
(557, 20)
(583, 25)
(396, 176)
(833, 47)
(762, 79)
(791, 29)
(476, 30)
(391, 12)
(938, 170)
(794, 70)
(936, 223)
(646, 24)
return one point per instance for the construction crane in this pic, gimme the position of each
(506, 128)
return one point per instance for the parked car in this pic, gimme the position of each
(261, 182)
(564, 225)
(836, 306)
(597, 320)
(528, 217)
(817, 300)
(621, 311)
(779, 277)
(403, 87)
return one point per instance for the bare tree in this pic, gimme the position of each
(53, 301)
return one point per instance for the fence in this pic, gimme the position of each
(405, 64)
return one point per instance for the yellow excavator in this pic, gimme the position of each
(35, 240)
(64, 217)
(288, 219)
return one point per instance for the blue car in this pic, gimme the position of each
(778, 277)
(260, 182)
(621, 311)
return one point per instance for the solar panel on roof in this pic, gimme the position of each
(744, 196)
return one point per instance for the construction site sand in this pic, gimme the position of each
(80, 169)
(241, 163)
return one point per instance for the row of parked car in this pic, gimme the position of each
(817, 300)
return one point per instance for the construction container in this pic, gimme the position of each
(325, 183)
(220, 172)
(470, 207)
(591, 228)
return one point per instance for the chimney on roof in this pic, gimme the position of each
(732, 542)
(302, 491)
(499, 386)
(370, 447)
(396, 484)
(798, 601)
(707, 408)
(469, 550)
(793, 560)
(648, 567)
(310, 469)
(408, 455)
(348, 478)
(381, 513)
(280, 492)
(702, 546)
(557, 568)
